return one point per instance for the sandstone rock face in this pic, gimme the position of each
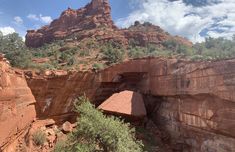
(95, 14)
(17, 108)
(147, 33)
(94, 21)
(127, 103)
(55, 91)
(195, 101)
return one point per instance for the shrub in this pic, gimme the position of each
(136, 52)
(97, 132)
(13, 47)
(171, 44)
(150, 144)
(60, 146)
(39, 138)
(98, 66)
(113, 54)
(84, 53)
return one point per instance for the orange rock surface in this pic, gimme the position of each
(193, 101)
(127, 103)
(17, 108)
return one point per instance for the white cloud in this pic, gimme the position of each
(7, 30)
(178, 18)
(40, 17)
(33, 17)
(45, 19)
(18, 20)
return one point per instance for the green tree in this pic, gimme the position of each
(12, 45)
(113, 54)
(97, 132)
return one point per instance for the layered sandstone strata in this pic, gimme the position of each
(17, 109)
(94, 15)
(193, 101)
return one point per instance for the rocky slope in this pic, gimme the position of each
(94, 21)
(192, 101)
(17, 109)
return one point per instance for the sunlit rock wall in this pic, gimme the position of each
(17, 109)
(198, 109)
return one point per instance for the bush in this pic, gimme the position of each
(39, 138)
(98, 66)
(84, 53)
(113, 54)
(97, 132)
(136, 52)
(171, 44)
(13, 47)
(60, 146)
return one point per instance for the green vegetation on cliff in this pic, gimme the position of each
(15, 51)
(90, 54)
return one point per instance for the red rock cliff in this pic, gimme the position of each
(193, 101)
(95, 14)
(17, 109)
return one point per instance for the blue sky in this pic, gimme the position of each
(194, 19)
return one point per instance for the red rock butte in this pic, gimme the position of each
(92, 21)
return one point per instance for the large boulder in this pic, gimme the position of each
(126, 103)
(67, 127)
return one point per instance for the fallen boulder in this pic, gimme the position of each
(67, 127)
(126, 103)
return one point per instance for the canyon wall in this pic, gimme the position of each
(194, 102)
(197, 99)
(17, 109)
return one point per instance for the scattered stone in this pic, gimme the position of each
(50, 132)
(74, 125)
(67, 127)
(48, 72)
(51, 140)
(43, 128)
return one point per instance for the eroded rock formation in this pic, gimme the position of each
(94, 15)
(194, 101)
(17, 109)
(94, 21)
(147, 33)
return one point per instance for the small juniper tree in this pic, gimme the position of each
(97, 132)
